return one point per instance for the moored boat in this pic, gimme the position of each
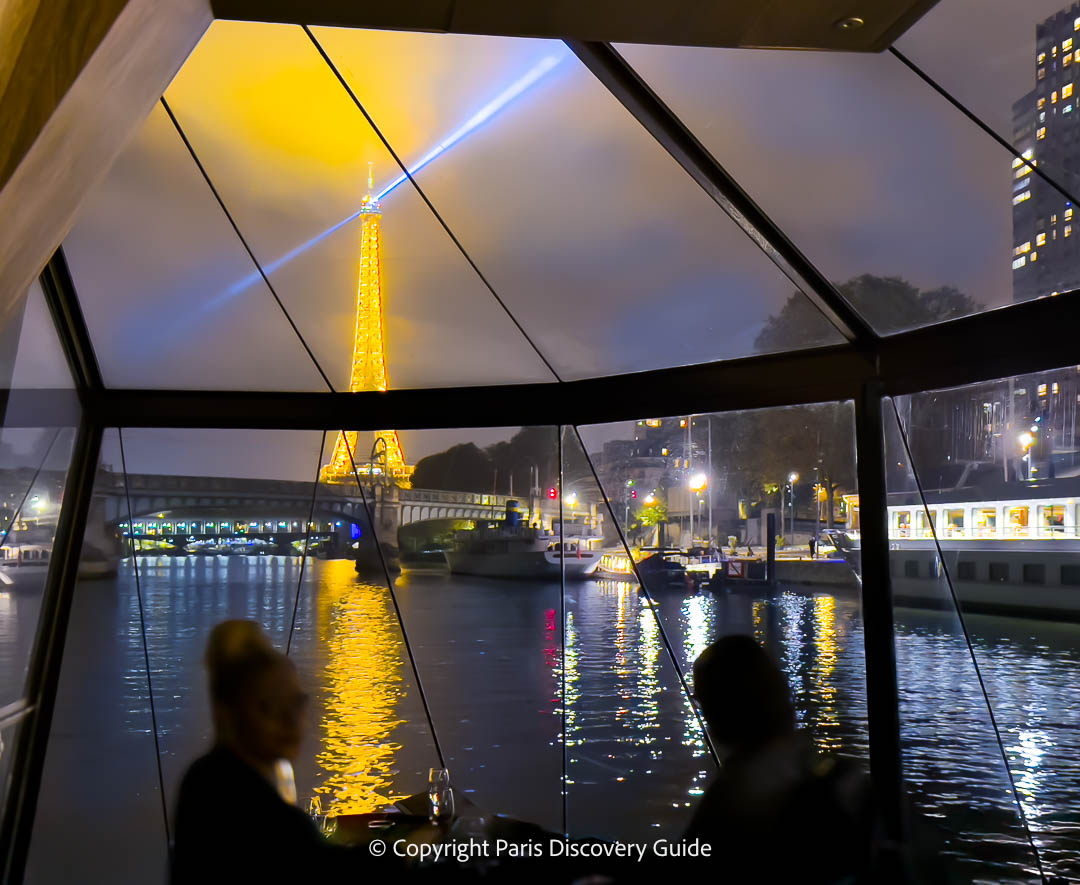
(509, 548)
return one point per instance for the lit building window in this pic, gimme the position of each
(1066, 45)
(1066, 90)
(1019, 263)
(1042, 390)
(1020, 250)
(1041, 58)
(1034, 256)
(1076, 55)
(1016, 162)
(1021, 184)
(1040, 239)
(1066, 60)
(1028, 154)
(1076, 24)
(1068, 230)
(1054, 387)
(1068, 214)
(1053, 97)
(1042, 116)
(1067, 109)
(1020, 198)
(1042, 102)
(1053, 219)
(1053, 51)
(1041, 134)
(1042, 73)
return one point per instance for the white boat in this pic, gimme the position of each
(1017, 556)
(511, 549)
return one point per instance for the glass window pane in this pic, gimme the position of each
(1019, 76)
(479, 593)
(898, 198)
(99, 764)
(36, 438)
(290, 153)
(1010, 579)
(695, 494)
(153, 259)
(609, 254)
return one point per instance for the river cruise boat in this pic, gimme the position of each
(1015, 555)
(511, 549)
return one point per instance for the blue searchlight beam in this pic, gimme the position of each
(520, 85)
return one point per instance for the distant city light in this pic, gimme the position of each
(698, 481)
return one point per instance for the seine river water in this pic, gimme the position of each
(489, 656)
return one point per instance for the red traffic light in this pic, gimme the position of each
(633, 493)
(553, 493)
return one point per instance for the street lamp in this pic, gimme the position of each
(793, 478)
(697, 483)
(1027, 440)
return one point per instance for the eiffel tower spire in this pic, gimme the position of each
(369, 357)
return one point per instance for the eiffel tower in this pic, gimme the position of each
(368, 362)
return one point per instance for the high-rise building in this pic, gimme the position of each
(1046, 130)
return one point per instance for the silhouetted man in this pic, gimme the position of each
(777, 811)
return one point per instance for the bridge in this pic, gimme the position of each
(174, 508)
(200, 512)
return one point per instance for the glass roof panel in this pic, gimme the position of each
(892, 193)
(1019, 77)
(40, 361)
(290, 154)
(152, 257)
(610, 256)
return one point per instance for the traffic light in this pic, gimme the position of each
(633, 493)
(553, 493)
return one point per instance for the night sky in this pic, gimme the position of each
(607, 253)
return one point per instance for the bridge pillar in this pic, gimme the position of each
(387, 513)
(103, 547)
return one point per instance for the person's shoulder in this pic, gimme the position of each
(216, 770)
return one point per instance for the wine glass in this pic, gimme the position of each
(440, 795)
(315, 811)
(329, 824)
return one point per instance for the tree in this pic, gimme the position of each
(531, 447)
(461, 468)
(889, 304)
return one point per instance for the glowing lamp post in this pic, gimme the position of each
(1027, 440)
(793, 478)
(697, 482)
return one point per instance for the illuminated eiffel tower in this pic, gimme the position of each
(368, 362)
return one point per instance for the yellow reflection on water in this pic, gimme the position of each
(759, 620)
(362, 687)
(826, 716)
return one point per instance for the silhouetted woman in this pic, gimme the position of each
(231, 822)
